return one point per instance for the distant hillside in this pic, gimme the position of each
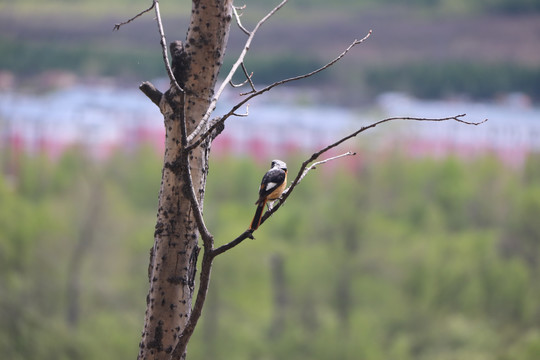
(454, 49)
(458, 6)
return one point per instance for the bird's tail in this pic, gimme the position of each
(258, 215)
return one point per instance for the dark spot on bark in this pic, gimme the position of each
(180, 63)
(159, 229)
(176, 280)
(157, 342)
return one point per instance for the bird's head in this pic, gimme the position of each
(279, 164)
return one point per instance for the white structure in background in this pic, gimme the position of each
(511, 132)
(97, 118)
(102, 119)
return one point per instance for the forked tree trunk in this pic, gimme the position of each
(173, 257)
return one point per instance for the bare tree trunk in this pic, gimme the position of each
(173, 257)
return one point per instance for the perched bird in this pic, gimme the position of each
(272, 185)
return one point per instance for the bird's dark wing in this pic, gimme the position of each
(270, 181)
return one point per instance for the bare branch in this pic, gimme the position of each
(248, 234)
(305, 169)
(229, 76)
(206, 236)
(269, 87)
(244, 114)
(248, 79)
(163, 43)
(237, 16)
(316, 155)
(340, 141)
(314, 165)
(238, 85)
(117, 26)
(151, 92)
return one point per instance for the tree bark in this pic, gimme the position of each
(173, 258)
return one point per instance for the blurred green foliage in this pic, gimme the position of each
(96, 60)
(434, 80)
(425, 80)
(397, 259)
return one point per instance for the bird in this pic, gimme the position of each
(272, 185)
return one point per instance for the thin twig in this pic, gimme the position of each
(237, 16)
(117, 26)
(222, 119)
(238, 85)
(248, 77)
(206, 236)
(248, 80)
(163, 41)
(340, 141)
(248, 234)
(164, 51)
(240, 60)
(246, 114)
(316, 155)
(314, 165)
